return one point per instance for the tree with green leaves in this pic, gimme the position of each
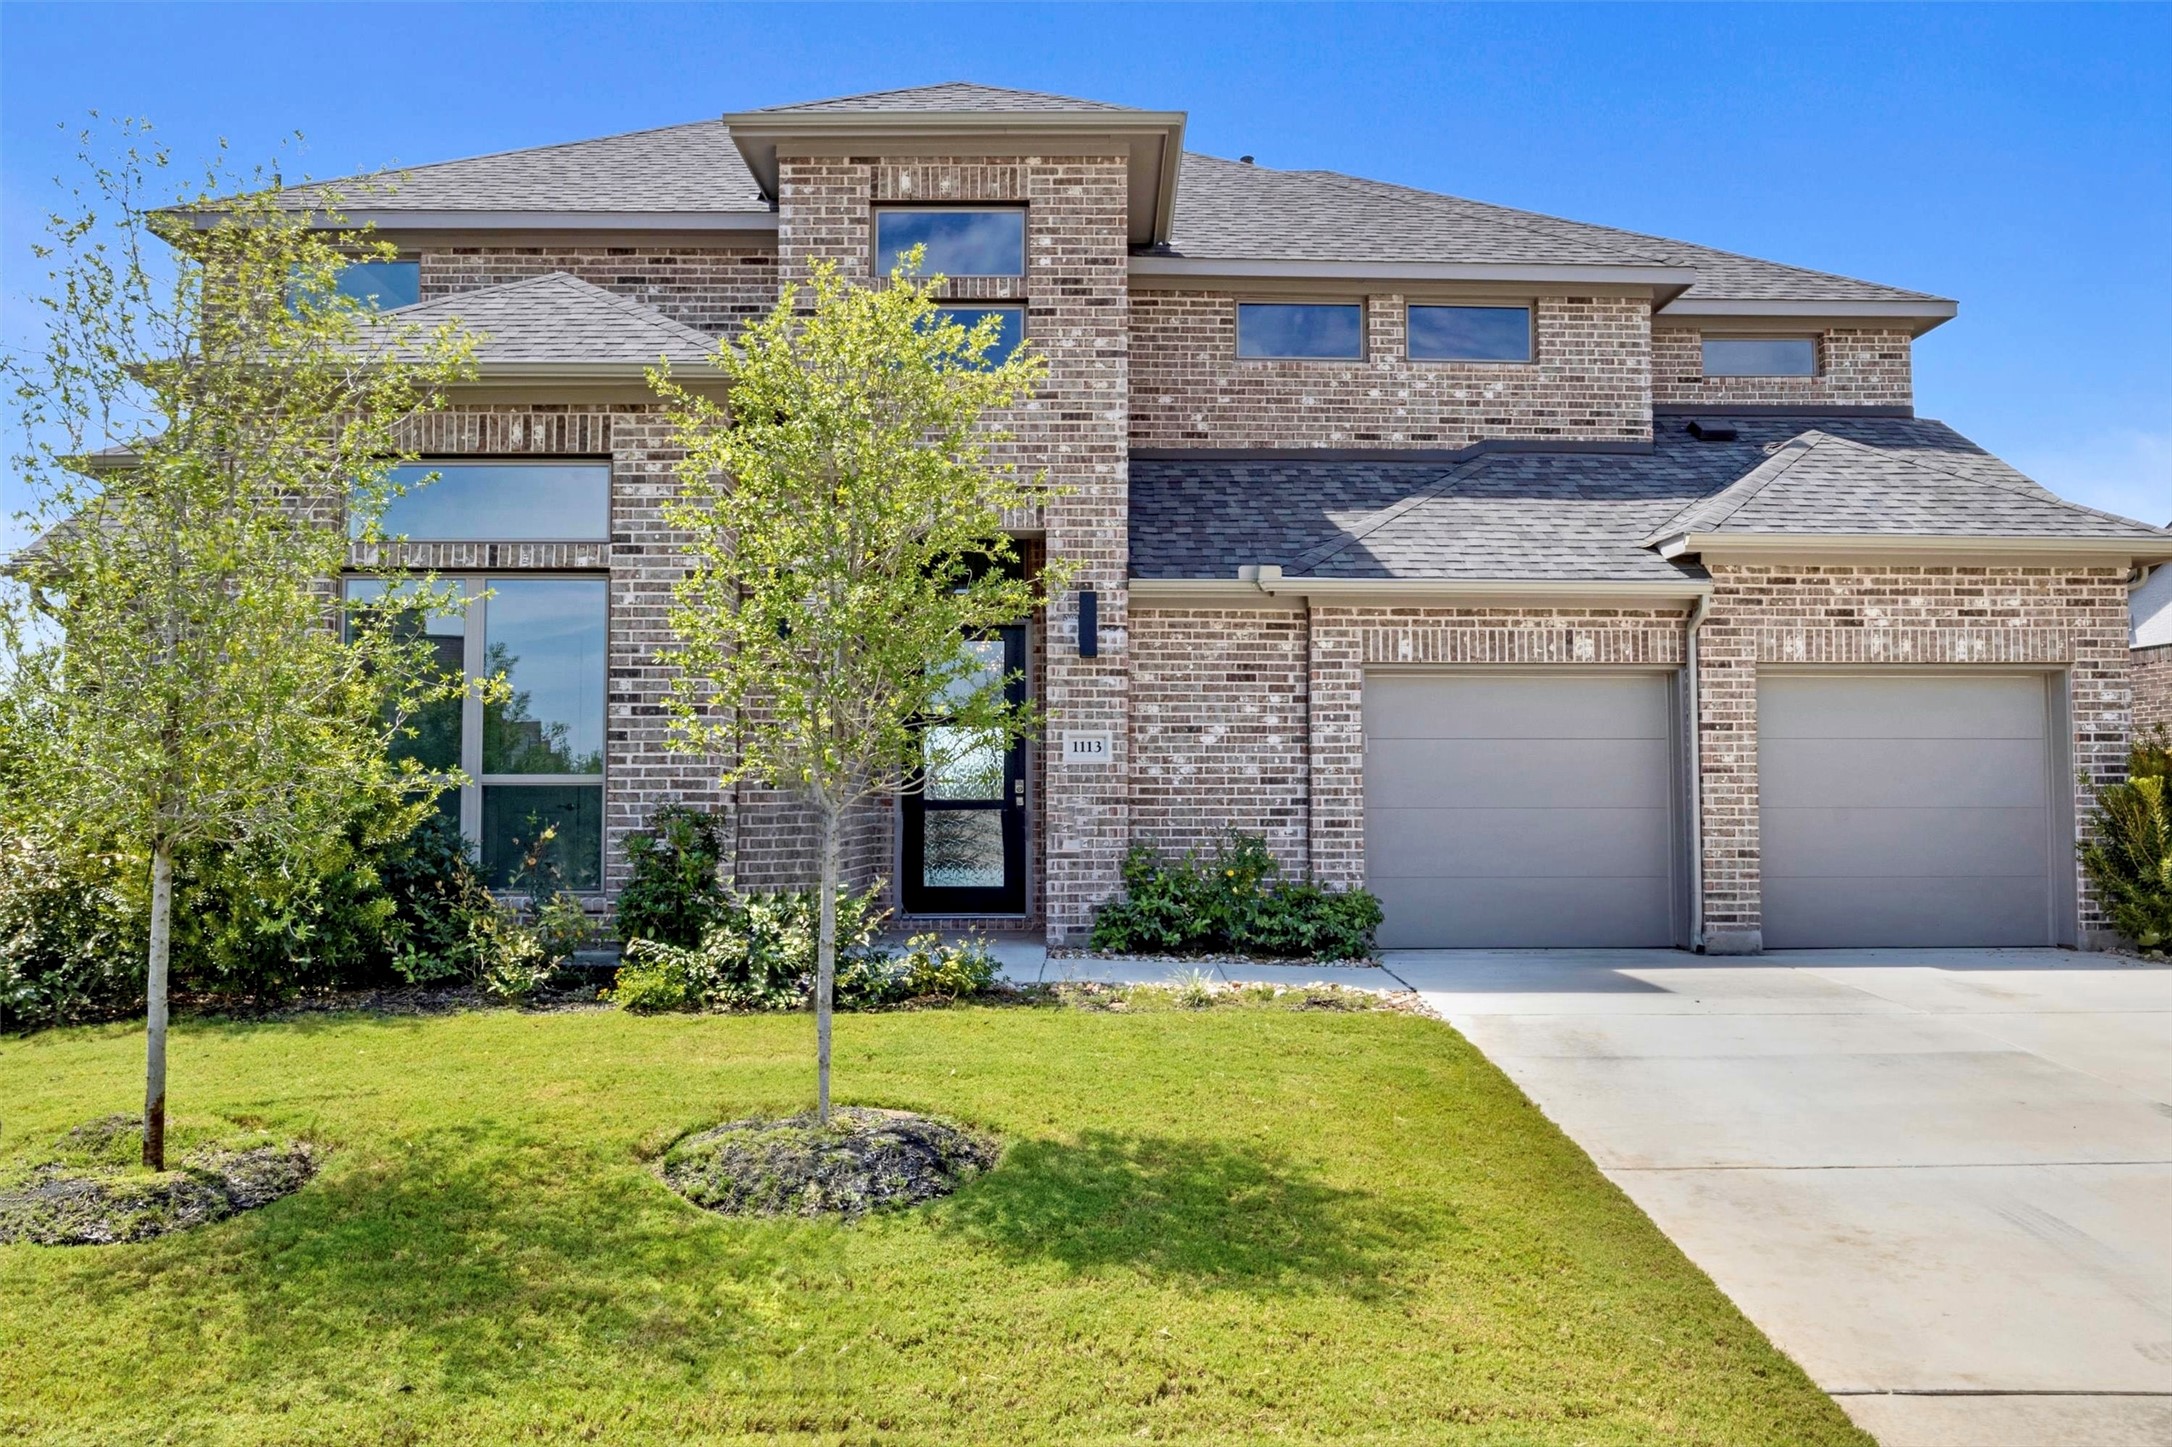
(207, 426)
(844, 512)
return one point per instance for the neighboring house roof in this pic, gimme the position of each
(687, 169)
(947, 96)
(1231, 210)
(558, 321)
(1572, 516)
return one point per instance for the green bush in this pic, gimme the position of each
(760, 955)
(70, 943)
(2128, 855)
(1235, 901)
(673, 895)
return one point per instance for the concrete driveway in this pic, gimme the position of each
(1940, 1180)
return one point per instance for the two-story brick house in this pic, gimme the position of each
(1567, 586)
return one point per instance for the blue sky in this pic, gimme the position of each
(2014, 157)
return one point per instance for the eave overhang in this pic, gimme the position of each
(1170, 270)
(1937, 551)
(1723, 314)
(1264, 586)
(1153, 140)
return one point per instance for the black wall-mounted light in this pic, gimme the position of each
(1089, 623)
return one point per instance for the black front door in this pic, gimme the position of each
(965, 827)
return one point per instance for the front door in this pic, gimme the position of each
(965, 827)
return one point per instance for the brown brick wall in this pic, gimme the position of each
(1074, 291)
(1218, 728)
(2070, 618)
(1855, 368)
(2152, 675)
(1347, 641)
(716, 289)
(1590, 380)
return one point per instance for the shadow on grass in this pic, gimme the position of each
(1204, 1212)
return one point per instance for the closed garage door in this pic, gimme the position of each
(1905, 810)
(1520, 810)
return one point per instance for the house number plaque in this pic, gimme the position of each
(1084, 748)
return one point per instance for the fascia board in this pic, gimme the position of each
(1917, 316)
(1934, 549)
(1188, 270)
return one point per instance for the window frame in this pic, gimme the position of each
(1362, 305)
(474, 589)
(439, 464)
(1530, 333)
(1817, 355)
(923, 208)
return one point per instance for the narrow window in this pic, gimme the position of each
(958, 242)
(1470, 333)
(501, 502)
(1281, 329)
(1760, 357)
(1011, 324)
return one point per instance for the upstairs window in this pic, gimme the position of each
(1470, 333)
(1760, 357)
(959, 242)
(1282, 329)
(537, 502)
(377, 285)
(1010, 320)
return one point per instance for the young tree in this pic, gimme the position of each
(204, 403)
(844, 511)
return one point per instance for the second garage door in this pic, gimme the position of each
(1899, 809)
(1520, 810)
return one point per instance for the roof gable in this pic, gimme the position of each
(947, 96)
(557, 320)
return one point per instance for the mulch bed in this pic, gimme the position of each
(64, 1205)
(861, 1161)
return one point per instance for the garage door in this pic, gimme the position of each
(1905, 810)
(1520, 810)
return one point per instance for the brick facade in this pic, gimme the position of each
(1856, 368)
(713, 289)
(1590, 379)
(2070, 620)
(2151, 670)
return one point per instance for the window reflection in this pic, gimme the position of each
(1470, 333)
(1012, 329)
(547, 637)
(1760, 357)
(959, 243)
(1280, 329)
(492, 501)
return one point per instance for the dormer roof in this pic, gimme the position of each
(557, 325)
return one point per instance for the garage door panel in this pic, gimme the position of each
(1499, 843)
(1920, 773)
(1915, 706)
(1502, 773)
(1911, 911)
(1603, 706)
(1524, 913)
(1905, 810)
(1901, 842)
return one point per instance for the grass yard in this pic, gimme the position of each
(1249, 1223)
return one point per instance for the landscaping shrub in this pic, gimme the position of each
(2128, 855)
(673, 895)
(760, 955)
(70, 947)
(1235, 901)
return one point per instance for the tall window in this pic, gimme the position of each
(1760, 356)
(1470, 333)
(1283, 329)
(535, 758)
(959, 242)
(505, 501)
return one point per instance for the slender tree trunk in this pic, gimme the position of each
(154, 1075)
(825, 964)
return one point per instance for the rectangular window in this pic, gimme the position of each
(958, 242)
(382, 284)
(1470, 333)
(1760, 357)
(1281, 329)
(1010, 319)
(534, 759)
(500, 502)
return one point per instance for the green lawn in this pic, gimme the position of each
(1242, 1224)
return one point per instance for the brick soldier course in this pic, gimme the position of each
(1259, 535)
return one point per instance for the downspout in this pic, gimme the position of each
(1696, 774)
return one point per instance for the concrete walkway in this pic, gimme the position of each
(1940, 1180)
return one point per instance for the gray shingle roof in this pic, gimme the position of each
(693, 168)
(1227, 210)
(1569, 516)
(949, 95)
(556, 318)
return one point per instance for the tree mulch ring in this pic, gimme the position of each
(63, 1204)
(862, 1161)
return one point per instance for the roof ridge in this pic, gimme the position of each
(639, 309)
(2035, 491)
(1366, 527)
(976, 85)
(1773, 468)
